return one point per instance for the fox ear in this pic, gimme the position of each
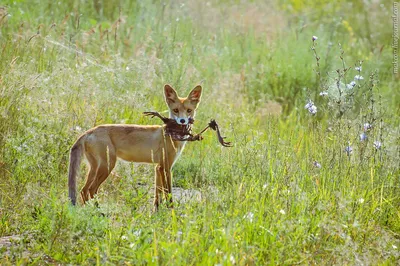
(170, 94)
(195, 94)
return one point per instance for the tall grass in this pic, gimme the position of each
(287, 193)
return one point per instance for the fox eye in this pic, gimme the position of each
(175, 110)
(189, 110)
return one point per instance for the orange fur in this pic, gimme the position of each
(103, 144)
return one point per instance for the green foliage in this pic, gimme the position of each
(287, 193)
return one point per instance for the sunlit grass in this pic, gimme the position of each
(286, 193)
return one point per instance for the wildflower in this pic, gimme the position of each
(358, 68)
(361, 200)
(309, 104)
(137, 233)
(77, 128)
(232, 259)
(394, 246)
(249, 216)
(363, 136)
(367, 127)
(323, 93)
(358, 77)
(317, 164)
(282, 212)
(351, 85)
(124, 237)
(311, 107)
(377, 145)
(348, 150)
(314, 38)
(264, 186)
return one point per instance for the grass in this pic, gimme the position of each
(70, 65)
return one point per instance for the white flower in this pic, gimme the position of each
(348, 150)
(363, 136)
(77, 128)
(394, 246)
(367, 127)
(314, 38)
(313, 110)
(124, 237)
(309, 104)
(351, 85)
(361, 200)
(311, 107)
(249, 216)
(358, 77)
(317, 164)
(282, 212)
(264, 186)
(358, 68)
(323, 93)
(232, 259)
(377, 145)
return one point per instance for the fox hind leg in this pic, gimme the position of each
(104, 168)
(90, 177)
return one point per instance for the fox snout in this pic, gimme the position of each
(182, 120)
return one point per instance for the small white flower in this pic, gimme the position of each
(377, 145)
(177, 19)
(348, 150)
(323, 93)
(264, 186)
(232, 259)
(137, 233)
(314, 38)
(77, 128)
(124, 237)
(394, 246)
(282, 212)
(309, 104)
(361, 200)
(358, 68)
(367, 127)
(313, 110)
(358, 77)
(351, 85)
(363, 136)
(127, 68)
(249, 216)
(317, 164)
(311, 107)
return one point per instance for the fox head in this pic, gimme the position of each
(181, 109)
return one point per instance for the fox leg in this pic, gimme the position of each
(159, 188)
(106, 165)
(168, 189)
(90, 177)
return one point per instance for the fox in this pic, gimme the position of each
(104, 144)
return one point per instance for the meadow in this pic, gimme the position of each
(306, 91)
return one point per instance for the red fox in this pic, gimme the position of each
(102, 145)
